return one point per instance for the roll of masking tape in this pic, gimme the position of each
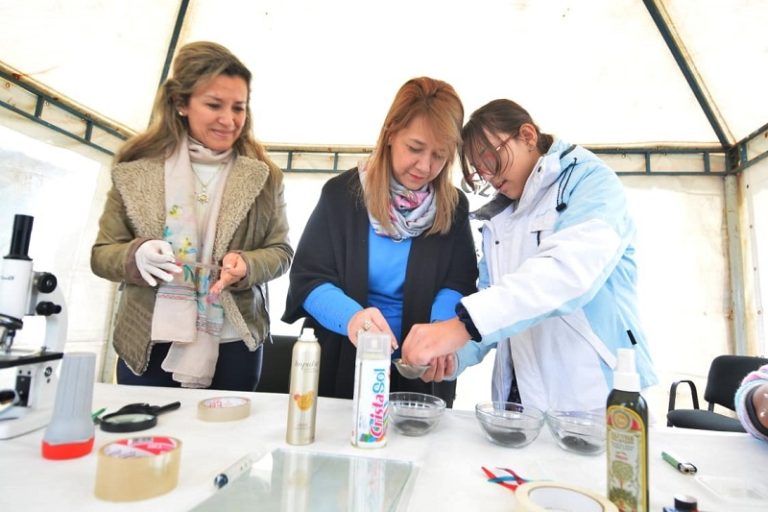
(224, 408)
(547, 496)
(137, 468)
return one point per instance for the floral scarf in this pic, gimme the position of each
(411, 211)
(184, 313)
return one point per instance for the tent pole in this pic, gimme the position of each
(735, 264)
(682, 57)
(174, 40)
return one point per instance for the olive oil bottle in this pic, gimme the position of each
(627, 438)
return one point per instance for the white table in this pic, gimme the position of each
(448, 460)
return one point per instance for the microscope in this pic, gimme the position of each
(24, 292)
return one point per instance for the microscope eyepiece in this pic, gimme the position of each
(22, 233)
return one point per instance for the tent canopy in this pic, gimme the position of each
(595, 72)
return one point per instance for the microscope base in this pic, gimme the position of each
(20, 420)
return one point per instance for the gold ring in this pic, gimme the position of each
(367, 324)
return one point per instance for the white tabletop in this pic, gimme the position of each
(447, 460)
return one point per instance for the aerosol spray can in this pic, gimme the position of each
(371, 394)
(302, 397)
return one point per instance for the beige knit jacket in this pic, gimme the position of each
(252, 222)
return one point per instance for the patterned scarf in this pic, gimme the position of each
(411, 211)
(183, 312)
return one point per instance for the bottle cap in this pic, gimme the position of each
(686, 502)
(625, 376)
(377, 344)
(307, 334)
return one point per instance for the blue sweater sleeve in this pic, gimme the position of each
(444, 305)
(331, 307)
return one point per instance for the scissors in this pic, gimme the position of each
(510, 481)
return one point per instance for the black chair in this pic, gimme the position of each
(276, 366)
(725, 376)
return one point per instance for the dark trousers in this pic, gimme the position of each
(238, 369)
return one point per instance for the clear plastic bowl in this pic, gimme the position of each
(415, 414)
(508, 423)
(578, 431)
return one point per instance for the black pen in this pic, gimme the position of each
(683, 467)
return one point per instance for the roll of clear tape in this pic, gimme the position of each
(548, 496)
(223, 408)
(137, 468)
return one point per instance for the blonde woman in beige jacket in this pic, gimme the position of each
(193, 228)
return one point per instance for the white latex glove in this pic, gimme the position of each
(155, 258)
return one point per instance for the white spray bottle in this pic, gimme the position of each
(371, 393)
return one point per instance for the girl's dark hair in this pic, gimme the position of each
(498, 116)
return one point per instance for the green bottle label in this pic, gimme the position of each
(627, 459)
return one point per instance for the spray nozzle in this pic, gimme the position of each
(307, 334)
(625, 376)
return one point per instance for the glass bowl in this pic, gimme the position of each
(415, 414)
(508, 423)
(578, 431)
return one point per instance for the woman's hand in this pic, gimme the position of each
(154, 259)
(369, 319)
(233, 269)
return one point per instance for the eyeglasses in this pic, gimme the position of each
(488, 161)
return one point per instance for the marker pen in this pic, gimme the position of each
(238, 469)
(234, 471)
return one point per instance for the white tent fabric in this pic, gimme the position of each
(597, 71)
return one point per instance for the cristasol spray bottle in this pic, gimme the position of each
(371, 394)
(627, 438)
(302, 396)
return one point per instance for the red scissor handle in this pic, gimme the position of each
(511, 481)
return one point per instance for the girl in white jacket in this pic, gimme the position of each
(557, 278)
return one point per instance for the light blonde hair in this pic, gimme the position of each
(441, 108)
(195, 65)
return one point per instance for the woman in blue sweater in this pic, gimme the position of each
(388, 244)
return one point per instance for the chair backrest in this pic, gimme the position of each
(725, 376)
(276, 365)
